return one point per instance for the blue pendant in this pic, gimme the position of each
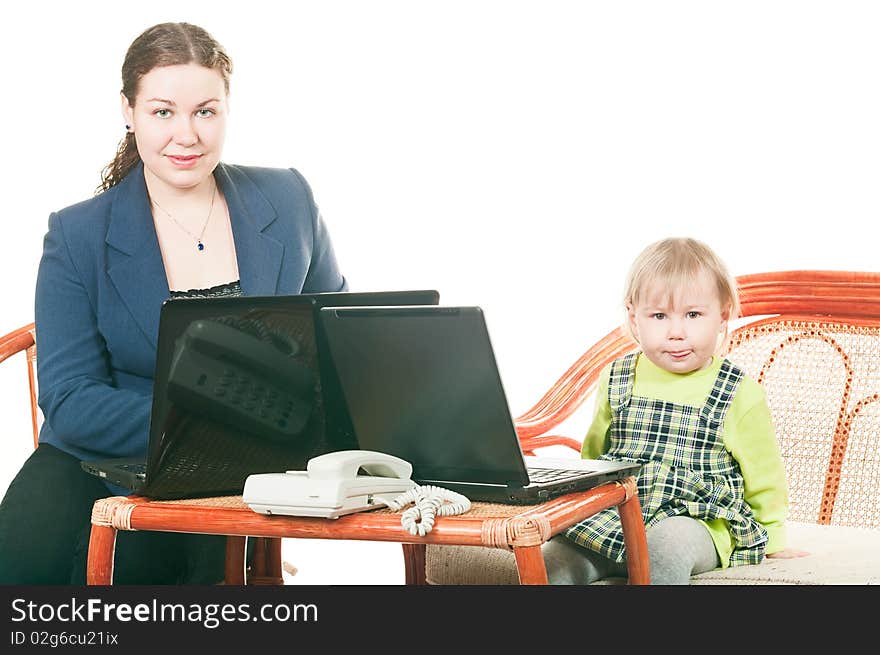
(201, 246)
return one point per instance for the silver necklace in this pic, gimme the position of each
(199, 245)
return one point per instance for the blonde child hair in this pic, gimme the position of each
(676, 262)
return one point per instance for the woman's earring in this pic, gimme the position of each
(127, 127)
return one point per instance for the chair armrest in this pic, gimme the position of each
(529, 444)
(575, 386)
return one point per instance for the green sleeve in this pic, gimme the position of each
(752, 442)
(596, 441)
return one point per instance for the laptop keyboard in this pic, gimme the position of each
(553, 475)
(137, 468)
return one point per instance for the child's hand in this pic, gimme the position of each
(789, 553)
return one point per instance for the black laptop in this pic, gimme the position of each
(241, 387)
(422, 383)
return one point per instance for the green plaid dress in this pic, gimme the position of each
(686, 469)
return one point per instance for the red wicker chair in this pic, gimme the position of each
(812, 338)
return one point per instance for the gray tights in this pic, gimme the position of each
(678, 547)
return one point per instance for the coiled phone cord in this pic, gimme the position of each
(429, 502)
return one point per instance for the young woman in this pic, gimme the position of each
(169, 219)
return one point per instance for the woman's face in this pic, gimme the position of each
(179, 124)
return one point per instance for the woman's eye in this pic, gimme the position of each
(658, 315)
(205, 113)
(693, 314)
(162, 113)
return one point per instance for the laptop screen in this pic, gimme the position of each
(422, 384)
(241, 387)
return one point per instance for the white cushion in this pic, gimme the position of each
(838, 555)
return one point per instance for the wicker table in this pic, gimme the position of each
(520, 528)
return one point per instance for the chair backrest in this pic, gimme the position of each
(24, 339)
(812, 339)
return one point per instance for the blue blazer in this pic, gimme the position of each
(101, 283)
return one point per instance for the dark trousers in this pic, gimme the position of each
(45, 526)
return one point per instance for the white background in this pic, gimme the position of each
(512, 155)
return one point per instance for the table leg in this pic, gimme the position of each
(637, 565)
(273, 568)
(266, 562)
(530, 564)
(414, 563)
(234, 573)
(102, 546)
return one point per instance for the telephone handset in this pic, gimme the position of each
(332, 486)
(348, 464)
(224, 370)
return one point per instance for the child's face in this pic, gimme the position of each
(679, 334)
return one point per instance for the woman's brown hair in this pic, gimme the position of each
(165, 44)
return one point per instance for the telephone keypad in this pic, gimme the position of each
(251, 404)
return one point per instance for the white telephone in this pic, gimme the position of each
(330, 486)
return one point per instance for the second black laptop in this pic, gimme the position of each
(422, 383)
